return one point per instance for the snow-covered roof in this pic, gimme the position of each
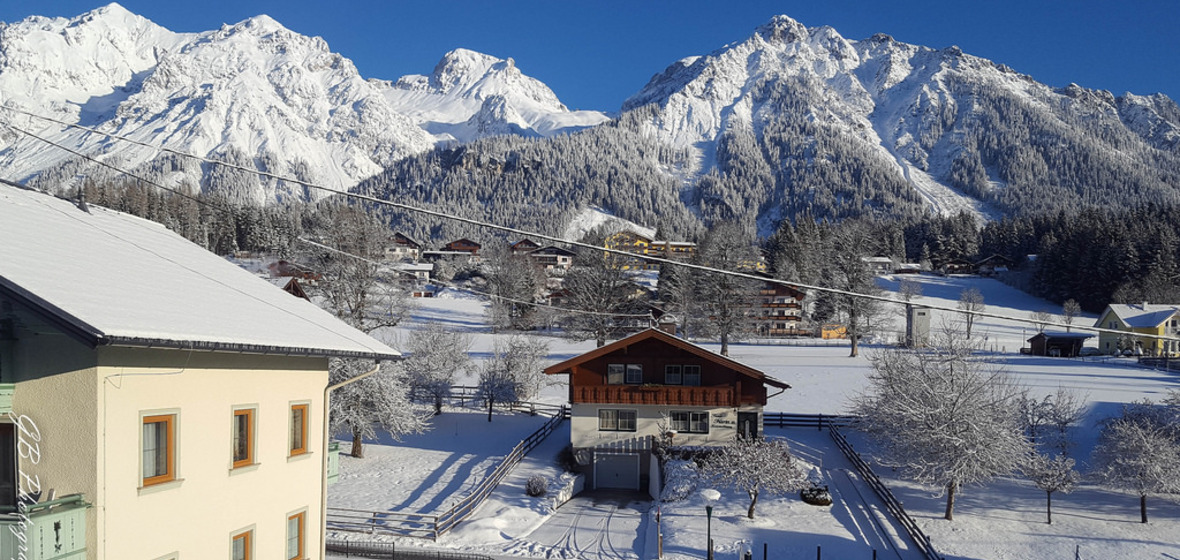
(1144, 315)
(1064, 335)
(142, 285)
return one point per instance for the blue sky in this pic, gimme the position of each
(596, 54)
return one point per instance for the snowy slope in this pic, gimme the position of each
(470, 95)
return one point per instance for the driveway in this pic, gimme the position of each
(600, 524)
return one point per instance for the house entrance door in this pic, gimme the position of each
(747, 424)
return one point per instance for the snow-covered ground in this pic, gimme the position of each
(1001, 520)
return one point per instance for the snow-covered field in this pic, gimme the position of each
(1001, 520)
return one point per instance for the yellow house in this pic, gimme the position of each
(159, 403)
(1139, 318)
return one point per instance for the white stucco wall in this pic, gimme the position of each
(197, 515)
(584, 424)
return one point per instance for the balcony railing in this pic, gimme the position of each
(656, 395)
(57, 531)
(6, 392)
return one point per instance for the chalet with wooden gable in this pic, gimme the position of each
(404, 248)
(173, 406)
(463, 246)
(779, 311)
(553, 259)
(523, 246)
(1137, 319)
(290, 285)
(626, 393)
(993, 265)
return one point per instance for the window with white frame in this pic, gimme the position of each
(690, 422)
(614, 374)
(672, 375)
(616, 420)
(634, 373)
(692, 375)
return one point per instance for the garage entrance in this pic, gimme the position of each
(616, 470)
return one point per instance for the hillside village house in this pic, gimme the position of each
(1140, 318)
(779, 310)
(403, 248)
(165, 403)
(626, 393)
(554, 260)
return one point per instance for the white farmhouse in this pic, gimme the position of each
(159, 402)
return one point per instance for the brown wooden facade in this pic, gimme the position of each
(723, 382)
(463, 245)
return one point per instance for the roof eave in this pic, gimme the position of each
(241, 348)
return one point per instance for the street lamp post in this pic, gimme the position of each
(709, 531)
(710, 495)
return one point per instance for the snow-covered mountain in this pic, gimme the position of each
(255, 93)
(927, 112)
(472, 95)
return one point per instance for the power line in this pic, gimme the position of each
(516, 231)
(117, 169)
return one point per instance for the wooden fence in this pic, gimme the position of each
(431, 526)
(389, 550)
(916, 535)
(817, 421)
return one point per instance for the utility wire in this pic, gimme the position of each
(516, 231)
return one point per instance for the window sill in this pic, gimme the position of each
(159, 487)
(299, 456)
(244, 469)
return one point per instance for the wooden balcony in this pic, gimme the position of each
(655, 395)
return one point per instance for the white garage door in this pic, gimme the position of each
(616, 470)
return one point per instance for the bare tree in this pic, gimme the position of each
(1051, 474)
(434, 356)
(599, 287)
(1047, 420)
(513, 373)
(1139, 454)
(970, 302)
(1041, 319)
(355, 287)
(379, 400)
(754, 466)
(1069, 311)
(909, 290)
(942, 416)
(514, 281)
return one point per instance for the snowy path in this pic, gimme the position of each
(603, 525)
(854, 504)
